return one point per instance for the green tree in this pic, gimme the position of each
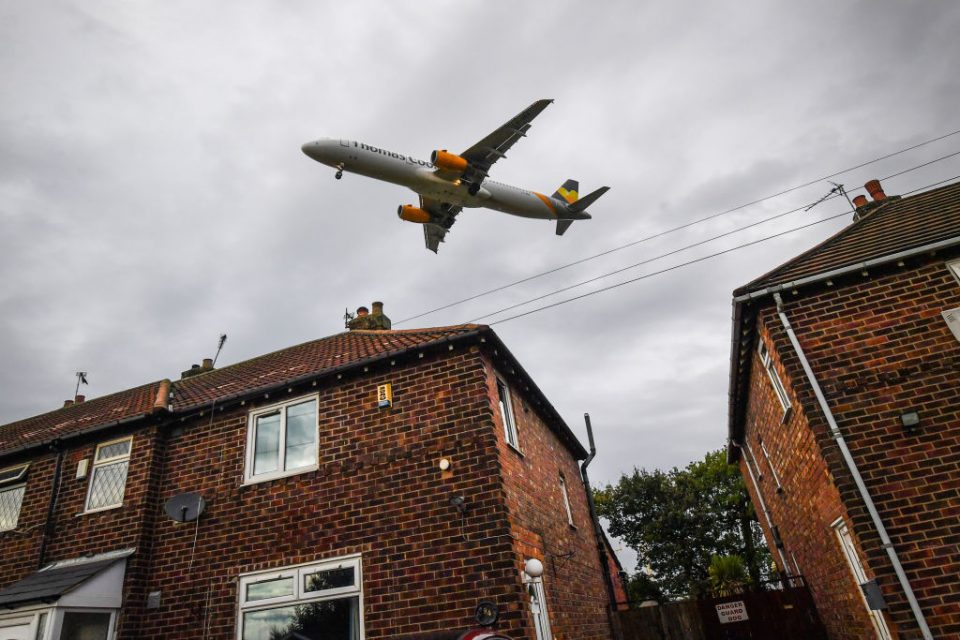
(677, 521)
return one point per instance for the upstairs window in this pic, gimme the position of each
(506, 414)
(109, 478)
(778, 387)
(566, 499)
(12, 488)
(320, 600)
(282, 440)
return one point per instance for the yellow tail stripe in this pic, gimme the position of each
(569, 196)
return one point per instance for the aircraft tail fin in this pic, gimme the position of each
(563, 225)
(568, 191)
(581, 205)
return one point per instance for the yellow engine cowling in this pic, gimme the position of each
(411, 213)
(448, 161)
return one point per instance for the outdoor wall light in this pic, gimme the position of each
(910, 420)
(533, 568)
(459, 503)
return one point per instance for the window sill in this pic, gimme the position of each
(278, 475)
(786, 415)
(515, 450)
(99, 510)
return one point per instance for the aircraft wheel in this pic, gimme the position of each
(338, 175)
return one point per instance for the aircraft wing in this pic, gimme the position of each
(482, 155)
(444, 215)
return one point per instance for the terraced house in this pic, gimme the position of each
(371, 484)
(845, 416)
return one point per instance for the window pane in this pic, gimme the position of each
(41, 626)
(114, 450)
(270, 589)
(301, 435)
(504, 398)
(78, 625)
(329, 620)
(9, 475)
(107, 485)
(266, 455)
(330, 579)
(10, 501)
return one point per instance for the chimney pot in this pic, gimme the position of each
(67, 403)
(79, 399)
(208, 364)
(377, 308)
(362, 311)
(860, 201)
(875, 190)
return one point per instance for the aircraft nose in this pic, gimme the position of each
(312, 149)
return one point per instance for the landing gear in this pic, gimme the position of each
(473, 189)
(339, 173)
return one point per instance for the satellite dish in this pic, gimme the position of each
(185, 507)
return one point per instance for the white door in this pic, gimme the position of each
(860, 575)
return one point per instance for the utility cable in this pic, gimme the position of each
(694, 261)
(678, 228)
(692, 245)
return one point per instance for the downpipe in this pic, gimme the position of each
(597, 531)
(48, 525)
(852, 467)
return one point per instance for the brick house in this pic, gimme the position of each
(325, 500)
(845, 416)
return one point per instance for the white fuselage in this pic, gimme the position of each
(424, 178)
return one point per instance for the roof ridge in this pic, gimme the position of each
(78, 406)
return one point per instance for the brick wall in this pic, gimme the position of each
(577, 600)
(378, 492)
(879, 348)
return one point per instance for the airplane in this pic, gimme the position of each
(450, 182)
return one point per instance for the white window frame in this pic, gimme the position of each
(282, 472)
(506, 414)
(102, 463)
(56, 627)
(541, 623)
(300, 595)
(13, 483)
(954, 267)
(778, 388)
(566, 500)
(859, 575)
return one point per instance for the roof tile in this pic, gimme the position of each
(895, 225)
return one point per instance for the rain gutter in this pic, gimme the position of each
(852, 467)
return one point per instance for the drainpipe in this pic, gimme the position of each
(597, 531)
(48, 525)
(852, 466)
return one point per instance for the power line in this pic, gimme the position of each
(695, 260)
(675, 229)
(834, 194)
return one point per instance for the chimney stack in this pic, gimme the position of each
(875, 190)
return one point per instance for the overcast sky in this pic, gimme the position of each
(153, 193)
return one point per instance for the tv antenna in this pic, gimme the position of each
(837, 188)
(347, 317)
(223, 338)
(81, 379)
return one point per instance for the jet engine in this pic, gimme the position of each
(448, 161)
(411, 213)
